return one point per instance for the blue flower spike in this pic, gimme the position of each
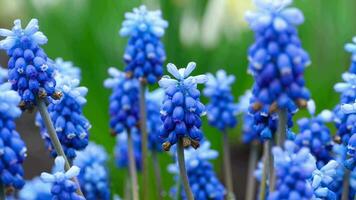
(181, 110)
(277, 59)
(63, 188)
(350, 162)
(35, 189)
(67, 68)
(351, 48)
(221, 110)
(144, 54)
(12, 147)
(30, 70)
(121, 150)
(322, 180)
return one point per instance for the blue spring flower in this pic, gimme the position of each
(202, 178)
(124, 101)
(293, 170)
(30, 70)
(144, 54)
(322, 179)
(277, 59)
(154, 122)
(121, 149)
(63, 188)
(221, 110)
(93, 176)
(67, 115)
(351, 47)
(181, 109)
(315, 135)
(12, 147)
(36, 189)
(66, 68)
(3, 75)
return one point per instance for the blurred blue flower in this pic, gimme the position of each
(322, 180)
(93, 176)
(121, 149)
(36, 189)
(12, 147)
(144, 54)
(203, 181)
(351, 47)
(66, 68)
(221, 110)
(181, 110)
(277, 59)
(293, 170)
(63, 188)
(3, 75)
(154, 122)
(124, 101)
(67, 115)
(30, 71)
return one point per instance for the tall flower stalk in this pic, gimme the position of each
(181, 114)
(222, 112)
(277, 62)
(144, 57)
(31, 74)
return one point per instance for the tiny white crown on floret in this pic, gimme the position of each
(220, 82)
(60, 174)
(70, 87)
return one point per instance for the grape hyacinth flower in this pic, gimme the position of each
(63, 188)
(3, 75)
(67, 114)
(315, 135)
(322, 179)
(30, 70)
(221, 112)
(351, 48)
(93, 176)
(277, 59)
(124, 101)
(144, 54)
(181, 109)
(12, 147)
(67, 68)
(202, 178)
(36, 189)
(121, 150)
(293, 170)
(154, 122)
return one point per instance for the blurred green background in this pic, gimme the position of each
(210, 32)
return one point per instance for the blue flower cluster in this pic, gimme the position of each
(293, 170)
(93, 176)
(121, 150)
(181, 109)
(67, 68)
(36, 189)
(351, 47)
(221, 110)
(202, 178)
(124, 101)
(63, 188)
(30, 70)
(144, 54)
(67, 114)
(12, 147)
(322, 180)
(154, 122)
(315, 135)
(277, 59)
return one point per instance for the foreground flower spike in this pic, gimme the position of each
(293, 169)
(121, 150)
(323, 179)
(63, 188)
(12, 148)
(93, 176)
(144, 54)
(36, 189)
(67, 114)
(222, 112)
(181, 110)
(315, 135)
(30, 71)
(124, 101)
(202, 178)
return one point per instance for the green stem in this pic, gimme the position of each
(183, 171)
(157, 171)
(42, 108)
(227, 167)
(2, 192)
(144, 137)
(266, 160)
(132, 167)
(252, 162)
(346, 185)
(127, 191)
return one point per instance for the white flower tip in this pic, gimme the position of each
(311, 106)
